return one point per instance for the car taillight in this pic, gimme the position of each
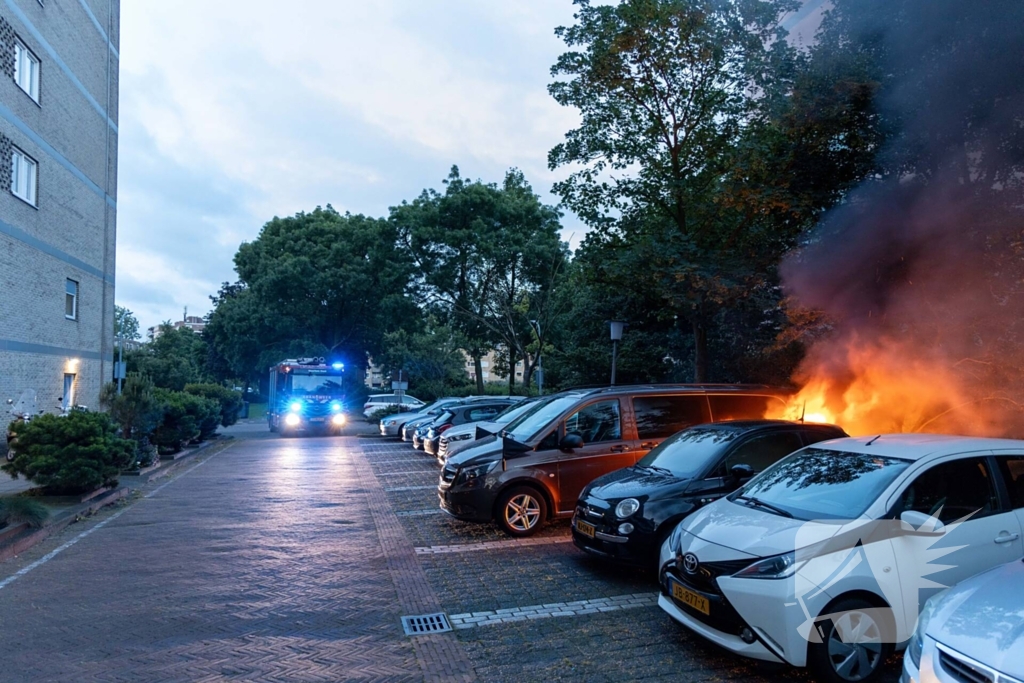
(443, 428)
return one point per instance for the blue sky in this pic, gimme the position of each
(234, 111)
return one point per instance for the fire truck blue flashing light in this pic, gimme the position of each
(295, 407)
(338, 366)
(335, 406)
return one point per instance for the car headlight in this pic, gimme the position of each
(472, 474)
(391, 423)
(292, 420)
(459, 437)
(776, 567)
(627, 507)
(916, 644)
(295, 407)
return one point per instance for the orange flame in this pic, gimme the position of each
(879, 388)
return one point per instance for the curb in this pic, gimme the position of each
(168, 466)
(27, 539)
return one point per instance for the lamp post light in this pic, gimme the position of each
(616, 332)
(540, 359)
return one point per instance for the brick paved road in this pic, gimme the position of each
(294, 559)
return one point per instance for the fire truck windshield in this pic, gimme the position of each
(314, 384)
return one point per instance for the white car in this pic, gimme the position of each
(973, 632)
(377, 401)
(824, 559)
(458, 437)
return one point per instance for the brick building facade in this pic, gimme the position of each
(58, 198)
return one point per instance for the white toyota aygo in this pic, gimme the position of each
(825, 559)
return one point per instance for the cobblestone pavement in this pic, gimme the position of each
(295, 559)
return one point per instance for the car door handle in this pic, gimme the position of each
(648, 445)
(618, 449)
(1006, 538)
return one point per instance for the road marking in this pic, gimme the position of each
(490, 545)
(395, 489)
(418, 513)
(554, 609)
(56, 551)
(395, 474)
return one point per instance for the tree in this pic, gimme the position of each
(664, 89)
(175, 358)
(126, 325)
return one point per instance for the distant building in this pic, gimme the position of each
(191, 322)
(58, 198)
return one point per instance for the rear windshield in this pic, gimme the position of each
(817, 483)
(690, 452)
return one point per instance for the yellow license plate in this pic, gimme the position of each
(690, 598)
(584, 528)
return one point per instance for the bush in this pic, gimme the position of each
(17, 510)
(74, 453)
(186, 418)
(379, 414)
(230, 401)
(136, 409)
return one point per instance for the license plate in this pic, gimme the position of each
(584, 528)
(688, 597)
(317, 419)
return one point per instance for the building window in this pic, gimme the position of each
(71, 300)
(26, 70)
(24, 174)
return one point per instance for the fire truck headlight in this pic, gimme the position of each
(292, 420)
(295, 407)
(338, 420)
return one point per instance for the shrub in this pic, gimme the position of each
(136, 410)
(72, 453)
(230, 401)
(379, 414)
(19, 510)
(186, 418)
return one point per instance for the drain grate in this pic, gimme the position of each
(426, 623)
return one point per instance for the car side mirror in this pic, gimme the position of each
(741, 471)
(571, 441)
(919, 524)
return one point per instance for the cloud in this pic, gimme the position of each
(235, 111)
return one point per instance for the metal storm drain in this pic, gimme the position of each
(426, 623)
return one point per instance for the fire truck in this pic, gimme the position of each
(306, 397)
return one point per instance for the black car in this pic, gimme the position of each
(627, 514)
(461, 414)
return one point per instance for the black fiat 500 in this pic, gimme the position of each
(627, 514)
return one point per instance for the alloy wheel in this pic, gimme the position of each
(855, 646)
(522, 512)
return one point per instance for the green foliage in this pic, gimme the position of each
(186, 418)
(136, 409)
(126, 325)
(20, 510)
(230, 401)
(176, 358)
(73, 453)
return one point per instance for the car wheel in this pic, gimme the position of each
(521, 511)
(855, 640)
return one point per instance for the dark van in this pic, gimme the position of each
(536, 467)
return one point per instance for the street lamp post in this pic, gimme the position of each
(616, 332)
(540, 359)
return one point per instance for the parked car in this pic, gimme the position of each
(408, 429)
(377, 401)
(392, 424)
(537, 467)
(459, 414)
(821, 560)
(972, 632)
(458, 437)
(627, 514)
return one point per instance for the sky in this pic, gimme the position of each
(236, 111)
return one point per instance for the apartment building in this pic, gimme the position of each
(58, 202)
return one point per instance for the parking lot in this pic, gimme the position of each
(296, 559)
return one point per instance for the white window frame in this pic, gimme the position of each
(24, 176)
(26, 70)
(74, 299)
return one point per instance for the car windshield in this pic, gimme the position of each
(530, 423)
(688, 453)
(513, 412)
(315, 384)
(817, 483)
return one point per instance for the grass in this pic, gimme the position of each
(20, 510)
(257, 411)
